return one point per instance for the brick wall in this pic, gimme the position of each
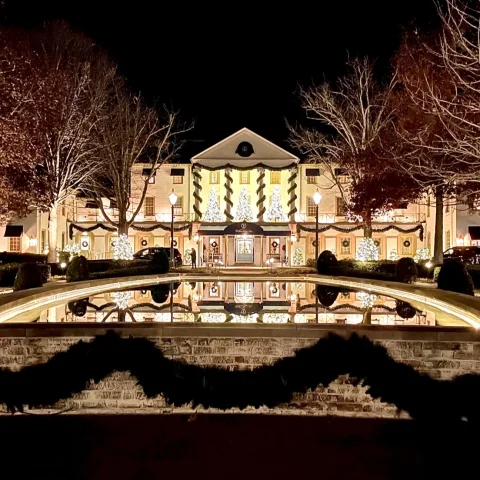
(442, 353)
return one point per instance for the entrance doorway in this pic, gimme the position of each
(244, 249)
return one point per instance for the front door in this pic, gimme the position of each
(244, 249)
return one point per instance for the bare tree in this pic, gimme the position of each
(132, 132)
(58, 107)
(357, 111)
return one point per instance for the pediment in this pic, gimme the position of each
(244, 148)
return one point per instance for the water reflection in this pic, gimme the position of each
(241, 302)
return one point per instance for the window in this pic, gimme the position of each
(275, 178)
(311, 207)
(63, 210)
(177, 180)
(447, 207)
(428, 207)
(14, 244)
(43, 244)
(149, 207)
(340, 207)
(312, 180)
(447, 239)
(429, 241)
(151, 180)
(406, 245)
(214, 177)
(378, 244)
(345, 246)
(63, 240)
(244, 178)
(178, 208)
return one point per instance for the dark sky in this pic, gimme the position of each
(232, 64)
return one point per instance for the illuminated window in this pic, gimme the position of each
(275, 178)
(340, 207)
(177, 179)
(14, 244)
(429, 241)
(214, 177)
(447, 239)
(244, 177)
(428, 207)
(43, 243)
(447, 207)
(406, 245)
(149, 207)
(312, 180)
(178, 208)
(311, 207)
(378, 244)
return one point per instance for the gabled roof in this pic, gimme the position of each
(264, 152)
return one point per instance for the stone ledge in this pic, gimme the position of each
(306, 331)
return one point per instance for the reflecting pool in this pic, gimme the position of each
(244, 302)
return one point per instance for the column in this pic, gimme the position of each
(197, 183)
(228, 194)
(292, 209)
(260, 194)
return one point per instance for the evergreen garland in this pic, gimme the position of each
(70, 372)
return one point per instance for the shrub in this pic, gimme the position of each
(123, 272)
(63, 257)
(160, 263)
(474, 271)
(326, 295)
(77, 269)
(160, 293)
(406, 271)
(9, 271)
(405, 310)
(28, 276)
(14, 257)
(78, 307)
(96, 266)
(326, 260)
(454, 277)
(358, 273)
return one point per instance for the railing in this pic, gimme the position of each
(94, 215)
(407, 217)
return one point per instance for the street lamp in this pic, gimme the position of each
(317, 197)
(173, 201)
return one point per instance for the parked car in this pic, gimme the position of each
(469, 255)
(147, 254)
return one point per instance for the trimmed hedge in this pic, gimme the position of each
(14, 257)
(474, 271)
(28, 276)
(77, 269)
(325, 262)
(124, 272)
(9, 271)
(454, 277)
(358, 273)
(97, 266)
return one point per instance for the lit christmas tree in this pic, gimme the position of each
(275, 211)
(212, 212)
(394, 255)
(122, 250)
(244, 211)
(298, 257)
(367, 251)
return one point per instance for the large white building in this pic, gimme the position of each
(242, 164)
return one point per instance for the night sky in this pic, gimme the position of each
(233, 64)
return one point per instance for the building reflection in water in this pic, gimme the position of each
(241, 302)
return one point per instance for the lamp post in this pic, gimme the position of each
(317, 197)
(173, 200)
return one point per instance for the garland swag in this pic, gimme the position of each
(69, 372)
(74, 226)
(360, 227)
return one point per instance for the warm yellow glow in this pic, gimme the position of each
(317, 197)
(172, 198)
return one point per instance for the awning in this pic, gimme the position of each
(147, 171)
(91, 204)
(243, 228)
(246, 228)
(312, 172)
(177, 172)
(13, 231)
(474, 232)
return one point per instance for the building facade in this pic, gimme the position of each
(242, 202)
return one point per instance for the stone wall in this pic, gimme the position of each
(441, 353)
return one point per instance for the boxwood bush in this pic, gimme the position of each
(15, 257)
(9, 271)
(326, 260)
(454, 277)
(77, 269)
(28, 276)
(406, 271)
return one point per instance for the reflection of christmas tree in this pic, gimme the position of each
(244, 211)
(298, 257)
(275, 211)
(122, 250)
(212, 212)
